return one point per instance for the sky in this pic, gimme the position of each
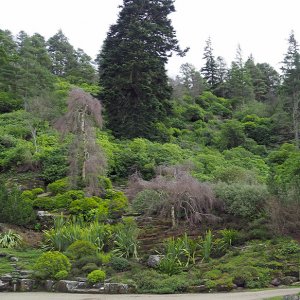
(261, 27)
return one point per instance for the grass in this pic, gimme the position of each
(27, 258)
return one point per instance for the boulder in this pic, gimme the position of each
(49, 285)
(4, 286)
(14, 259)
(6, 277)
(116, 288)
(154, 260)
(26, 285)
(288, 280)
(276, 282)
(198, 289)
(66, 286)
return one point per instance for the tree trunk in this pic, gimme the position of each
(84, 140)
(296, 119)
(173, 216)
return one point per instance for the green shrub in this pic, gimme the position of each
(27, 195)
(96, 276)
(80, 249)
(117, 202)
(84, 205)
(59, 186)
(65, 200)
(83, 261)
(120, 264)
(49, 264)
(10, 239)
(105, 183)
(61, 275)
(14, 209)
(254, 277)
(37, 191)
(147, 201)
(242, 200)
(45, 203)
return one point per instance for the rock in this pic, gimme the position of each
(288, 280)
(296, 283)
(198, 289)
(41, 214)
(81, 279)
(13, 258)
(154, 260)
(6, 277)
(4, 286)
(276, 282)
(2, 254)
(26, 285)
(239, 282)
(49, 285)
(66, 286)
(43, 195)
(116, 288)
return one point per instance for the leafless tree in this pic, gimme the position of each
(86, 159)
(183, 195)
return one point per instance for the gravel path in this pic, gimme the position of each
(220, 296)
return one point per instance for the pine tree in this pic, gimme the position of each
(132, 67)
(209, 71)
(291, 83)
(239, 83)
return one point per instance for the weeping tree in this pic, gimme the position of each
(86, 159)
(176, 194)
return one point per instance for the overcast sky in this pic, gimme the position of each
(261, 27)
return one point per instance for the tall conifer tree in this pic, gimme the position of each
(132, 67)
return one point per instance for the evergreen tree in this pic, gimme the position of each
(191, 80)
(291, 83)
(221, 77)
(33, 74)
(132, 67)
(239, 82)
(62, 54)
(209, 71)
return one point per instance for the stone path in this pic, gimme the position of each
(220, 296)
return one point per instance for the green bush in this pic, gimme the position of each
(120, 264)
(96, 276)
(45, 203)
(147, 201)
(86, 260)
(61, 275)
(64, 200)
(242, 200)
(13, 208)
(49, 264)
(80, 249)
(117, 202)
(59, 186)
(253, 277)
(27, 195)
(37, 191)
